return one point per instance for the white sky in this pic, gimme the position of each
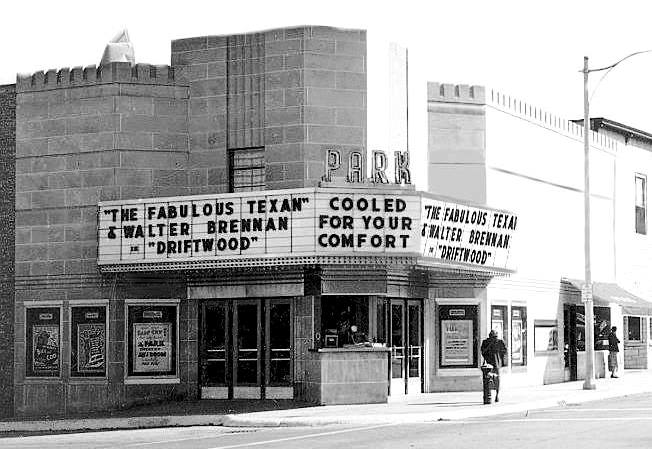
(532, 51)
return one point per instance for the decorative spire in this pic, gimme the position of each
(119, 49)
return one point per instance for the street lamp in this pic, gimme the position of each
(587, 288)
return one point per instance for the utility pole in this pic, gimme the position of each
(587, 290)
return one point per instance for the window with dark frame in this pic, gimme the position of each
(634, 328)
(458, 344)
(339, 313)
(247, 169)
(88, 341)
(641, 204)
(43, 342)
(152, 333)
(499, 324)
(519, 336)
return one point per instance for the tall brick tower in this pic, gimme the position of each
(290, 92)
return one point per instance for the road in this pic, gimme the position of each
(614, 423)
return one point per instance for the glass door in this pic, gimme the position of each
(215, 342)
(278, 350)
(247, 349)
(415, 348)
(407, 348)
(397, 340)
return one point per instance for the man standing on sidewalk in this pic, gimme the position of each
(493, 350)
(612, 361)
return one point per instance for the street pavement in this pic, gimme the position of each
(424, 408)
(615, 423)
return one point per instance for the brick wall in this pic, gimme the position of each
(7, 224)
(635, 352)
(295, 91)
(84, 136)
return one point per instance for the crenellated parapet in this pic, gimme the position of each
(115, 72)
(464, 94)
(456, 93)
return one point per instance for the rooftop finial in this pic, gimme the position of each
(119, 49)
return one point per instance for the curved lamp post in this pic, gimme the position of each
(587, 288)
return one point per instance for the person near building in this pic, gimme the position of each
(613, 352)
(493, 350)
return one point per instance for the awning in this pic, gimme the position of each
(605, 293)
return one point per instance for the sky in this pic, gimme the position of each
(530, 50)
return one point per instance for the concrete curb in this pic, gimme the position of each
(247, 420)
(263, 419)
(140, 422)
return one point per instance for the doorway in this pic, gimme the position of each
(571, 340)
(246, 349)
(406, 342)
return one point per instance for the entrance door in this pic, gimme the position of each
(245, 349)
(570, 341)
(278, 349)
(406, 344)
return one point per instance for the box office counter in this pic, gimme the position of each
(347, 375)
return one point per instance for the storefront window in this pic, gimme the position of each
(43, 342)
(601, 328)
(88, 342)
(546, 336)
(633, 328)
(499, 324)
(381, 324)
(346, 318)
(459, 336)
(519, 336)
(152, 340)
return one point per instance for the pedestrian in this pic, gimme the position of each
(612, 361)
(493, 350)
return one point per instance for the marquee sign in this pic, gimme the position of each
(299, 222)
(460, 233)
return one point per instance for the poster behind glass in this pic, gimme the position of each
(519, 336)
(43, 342)
(457, 342)
(88, 342)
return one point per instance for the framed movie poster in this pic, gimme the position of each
(519, 336)
(152, 340)
(152, 350)
(457, 342)
(458, 329)
(43, 342)
(88, 342)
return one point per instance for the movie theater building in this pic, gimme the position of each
(213, 229)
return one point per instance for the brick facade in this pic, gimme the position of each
(7, 218)
(115, 132)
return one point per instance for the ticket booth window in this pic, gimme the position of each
(458, 342)
(152, 340)
(346, 318)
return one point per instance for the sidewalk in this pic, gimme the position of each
(422, 408)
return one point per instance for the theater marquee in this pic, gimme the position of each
(299, 223)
